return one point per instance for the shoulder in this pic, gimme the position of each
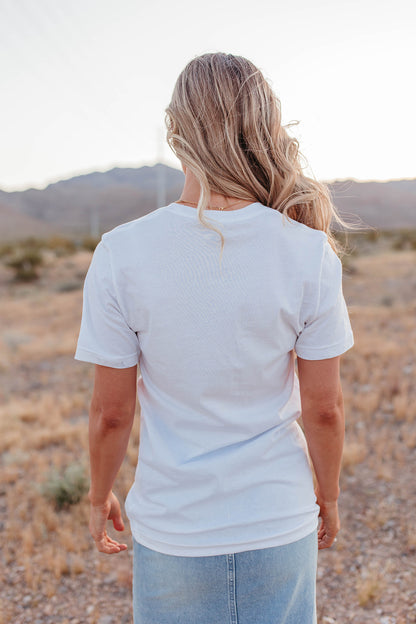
(302, 243)
(306, 250)
(137, 233)
(294, 229)
(134, 226)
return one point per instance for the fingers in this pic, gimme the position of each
(118, 523)
(327, 534)
(98, 518)
(109, 546)
(328, 528)
(325, 541)
(330, 525)
(105, 543)
(115, 514)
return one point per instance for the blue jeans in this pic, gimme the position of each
(266, 586)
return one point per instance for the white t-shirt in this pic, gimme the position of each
(223, 465)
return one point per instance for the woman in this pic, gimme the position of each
(214, 296)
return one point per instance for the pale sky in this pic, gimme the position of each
(85, 82)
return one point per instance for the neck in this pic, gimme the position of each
(191, 191)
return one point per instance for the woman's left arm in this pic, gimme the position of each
(111, 419)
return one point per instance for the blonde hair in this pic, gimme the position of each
(224, 123)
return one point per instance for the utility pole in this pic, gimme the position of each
(94, 221)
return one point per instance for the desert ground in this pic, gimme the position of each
(50, 572)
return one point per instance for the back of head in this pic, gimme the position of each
(224, 124)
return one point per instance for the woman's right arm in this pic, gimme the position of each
(323, 423)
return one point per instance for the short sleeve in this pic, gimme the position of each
(326, 329)
(105, 338)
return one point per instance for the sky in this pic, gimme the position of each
(85, 83)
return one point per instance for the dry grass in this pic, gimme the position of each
(44, 401)
(370, 584)
(44, 398)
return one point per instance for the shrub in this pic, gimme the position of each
(68, 286)
(89, 243)
(65, 489)
(387, 301)
(5, 250)
(373, 235)
(60, 245)
(31, 243)
(25, 261)
(404, 239)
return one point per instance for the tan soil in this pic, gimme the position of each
(49, 569)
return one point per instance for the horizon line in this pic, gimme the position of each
(86, 172)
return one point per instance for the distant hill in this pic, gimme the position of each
(383, 205)
(96, 202)
(15, 225)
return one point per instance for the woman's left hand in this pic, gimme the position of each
(99, 514)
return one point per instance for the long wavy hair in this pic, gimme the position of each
(224, 123)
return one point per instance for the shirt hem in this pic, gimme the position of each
(84, 355)
(206, 551)
(318, 353)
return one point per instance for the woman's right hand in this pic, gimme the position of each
(330, 524)
(99, 514)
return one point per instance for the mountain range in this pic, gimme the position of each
(96, 202)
